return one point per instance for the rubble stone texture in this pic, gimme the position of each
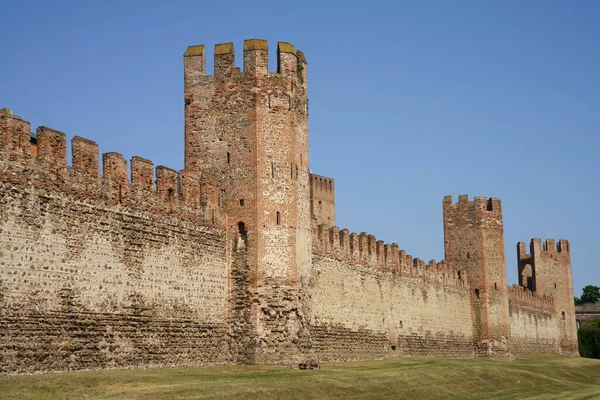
(237, 259)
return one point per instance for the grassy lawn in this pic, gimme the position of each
(542, 377)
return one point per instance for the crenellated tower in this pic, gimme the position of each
(546, 270)
(474, 241)
(249, 129)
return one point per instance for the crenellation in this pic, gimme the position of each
(381, 255)
(336, 246)
(142, 173)
(114, 167)
(301, 69)
(287, 60)
(345, 242)
(52, 149)
(189, 182)
(194, 64)
(354, 247)
(562, 246)
(85, 157)
(224, 60)
(256, 57)
(166, 183)
(394, 258)
(15, 136)
(525, 297)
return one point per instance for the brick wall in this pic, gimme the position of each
(99, 273)
(322, 199)
(359, 313)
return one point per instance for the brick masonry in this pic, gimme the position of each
(237, 259)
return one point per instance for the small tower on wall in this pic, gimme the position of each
(322, 200)
(546, 270)
(249, 129)
(474, 241)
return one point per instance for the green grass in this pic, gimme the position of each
(542, 377)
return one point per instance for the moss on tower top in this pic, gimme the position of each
(197, 50)
(300, 56)
(286, 48)
(256, 44)
(224, 48)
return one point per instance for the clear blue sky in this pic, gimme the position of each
(409, 101)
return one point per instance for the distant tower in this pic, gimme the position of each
(474, 241)
(249, 129)
(322, 199)
(546, 270)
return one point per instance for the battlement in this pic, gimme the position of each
(166, 190)
(322, 186)
(548, 247)
(256, 60)
(478, 203)
(525, 297)
(364, 249)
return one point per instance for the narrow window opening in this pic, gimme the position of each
(278, 218)
(242, 236)
(272, 170)
(477, 293)
(490, 206)
(555, 286)
(228, 158)
(170, 192)
(468, 255)
(242, 202)
(495, 286)
(563, 315)
(269, 97)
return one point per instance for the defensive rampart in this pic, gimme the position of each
(370, 300)
(98, 272)
(534, 326)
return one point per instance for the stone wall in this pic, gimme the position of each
(371, 300)
(533, 331)
(96, 272)
(361, 313)
(322, 199)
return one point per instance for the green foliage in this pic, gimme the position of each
(578, 301)
(591, 294)
(299, 69)
(589, 340)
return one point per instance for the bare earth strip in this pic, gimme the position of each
(545, 377)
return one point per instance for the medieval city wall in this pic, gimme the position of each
(370, 300)
(534, 328)
(98, 272)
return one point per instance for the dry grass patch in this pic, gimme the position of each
(543, 377)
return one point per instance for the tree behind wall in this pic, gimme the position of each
(591, 294)
(589, 340)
